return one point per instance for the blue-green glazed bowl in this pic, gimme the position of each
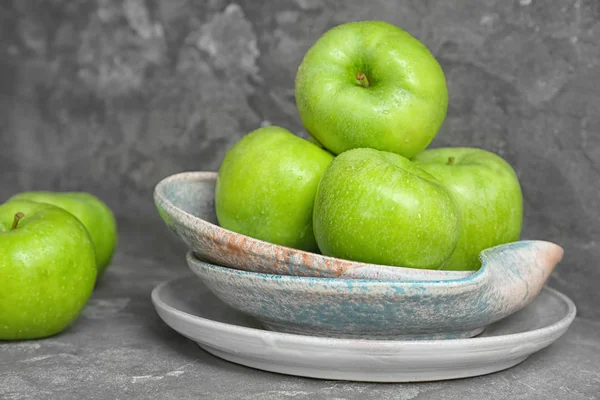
(510, 277)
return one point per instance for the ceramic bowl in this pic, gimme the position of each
(186, 203)
(511, 276)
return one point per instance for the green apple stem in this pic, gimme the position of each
(450, 161)
(362, 80)
(18, 217)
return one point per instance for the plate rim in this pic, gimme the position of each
(332, 342)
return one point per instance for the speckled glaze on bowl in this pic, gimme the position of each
(510, 277)
(185, 202)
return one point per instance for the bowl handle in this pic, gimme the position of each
(517, 271)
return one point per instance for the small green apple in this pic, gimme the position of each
(93, 214)
(371, 84)
(47, 269)
(379, 207)
(266, 187)
(487, 192)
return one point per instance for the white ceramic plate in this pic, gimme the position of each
(187, 306)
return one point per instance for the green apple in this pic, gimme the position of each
(371, 84)
(93, 214)
(266, 187)
(379, 207)
(47, 269)
(487, 192)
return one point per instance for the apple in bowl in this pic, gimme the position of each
(371, 84)
(266, 187)
(488, 194)
(379, 207)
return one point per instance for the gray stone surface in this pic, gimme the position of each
(110, 96)
(120, 349)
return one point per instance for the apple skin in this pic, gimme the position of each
(379, 207)
(403, 106)
(487, 192)
(47, 270)
(266, 187)
(93, 214)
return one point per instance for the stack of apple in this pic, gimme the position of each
(363, 187)
(53, 246)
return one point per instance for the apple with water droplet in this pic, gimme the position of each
(379, 207)
(47, 269)
(488, 194)
(93, 213)
(371, 84)
(266, 187)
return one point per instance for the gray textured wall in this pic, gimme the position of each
(110, 96)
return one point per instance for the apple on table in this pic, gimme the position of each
(93, 213)
(47, 269)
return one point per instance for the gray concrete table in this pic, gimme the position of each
(120, 349)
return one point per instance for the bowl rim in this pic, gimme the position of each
(488, 258)
(250, 243)
(476, 279)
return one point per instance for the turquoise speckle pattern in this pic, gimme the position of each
(510, 277)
